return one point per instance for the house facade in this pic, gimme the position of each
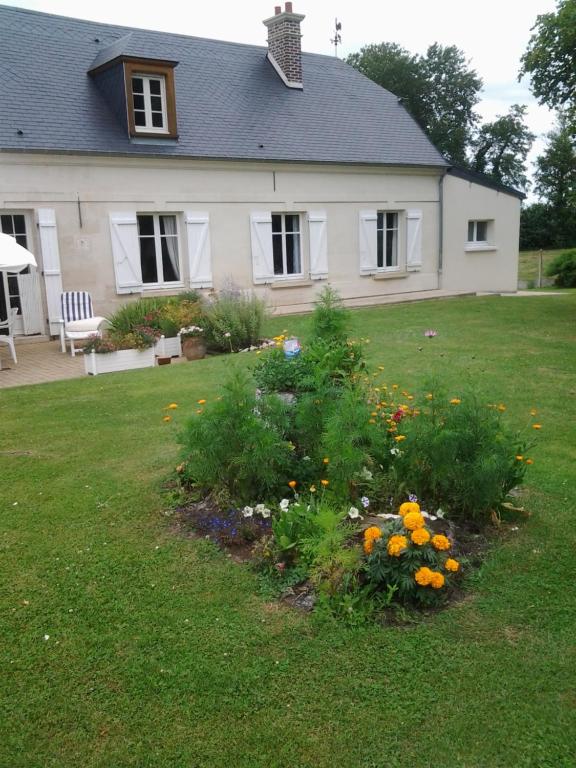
(139, 163)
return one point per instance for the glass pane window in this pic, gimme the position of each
(478, 231)
(387, 239)
(149, 103)
(286, 244)
(159, 252)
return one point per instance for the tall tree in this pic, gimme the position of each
(499, 149)
(556, 181)
(550, 58)
(438, 89)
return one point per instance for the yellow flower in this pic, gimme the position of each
(519, 458)
(371, 421)
(423, 576)
(180, 468)
(396, 545)
(199, 410)
(325, 482)
(167, 418)
(326, 460)
(452, 565)
(455, 401)
(380, 367)
(292, 484)
(408, 506)
(312, 489)
(201, 402)
(429, 396)
(501, 407)
(374, 413)
(437, 580)
(172, 406)
(533, 412)
(394, 386)
(536, 426)
(440, 542)
(420, 536)
(413, 520)
(529, 461)
(399, 438)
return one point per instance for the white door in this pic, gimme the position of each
(21, 290)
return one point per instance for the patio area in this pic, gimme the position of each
(38, 362)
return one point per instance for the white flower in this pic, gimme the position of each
(440, 513)
(247, 512)
(284, 504)
(353, 514)
(265, 512)
(227, 335)
(258, 508)
(365, 502)
(395, 451)
(46, 637)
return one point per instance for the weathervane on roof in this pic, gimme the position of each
(337, 39)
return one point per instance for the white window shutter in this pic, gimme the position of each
(368, 242)
(48, 234)
(126, 252)
(29, 289)
(317, 225)
(413, 240)
(199, 254)
(262, 256)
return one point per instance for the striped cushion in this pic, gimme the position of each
(76, 305)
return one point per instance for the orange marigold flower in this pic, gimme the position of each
(325, 482)
(536, 426)
(413, 520)
(440, 542)
(372, 533)
(420, 536)
(172, 406)
(201, 402)
(529, 461)
(423, 576)
(408, 506)
(452, 565)
(292, 483)
(437, 580)
(396, 545)
(167, 418)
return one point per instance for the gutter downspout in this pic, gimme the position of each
(440, 227)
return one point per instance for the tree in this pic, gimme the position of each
(438, 89)
(555, 177)
(535, 227)
(499, 149)
(550, 59)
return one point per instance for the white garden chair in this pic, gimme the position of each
(78, 320)
(8, 324)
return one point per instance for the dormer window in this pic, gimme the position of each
(151, 101)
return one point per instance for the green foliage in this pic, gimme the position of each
(233, 321)
(500, 148)
(536, 227)
(563, 268)
(459, 457)
(438, 89)
(550, 58)
(277, 373)
(236, 445)
(166, 314)
(330, 320)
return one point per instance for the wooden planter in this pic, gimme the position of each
(170, 346)
(193, 348)
(123, 360)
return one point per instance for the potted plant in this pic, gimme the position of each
(193, 345)
(120, 352)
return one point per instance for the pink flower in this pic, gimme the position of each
(430, 333)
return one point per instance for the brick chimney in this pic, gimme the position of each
(284, 51)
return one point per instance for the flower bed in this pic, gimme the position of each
(121, 360)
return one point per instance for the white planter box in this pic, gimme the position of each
(124, 360)
(168, 347)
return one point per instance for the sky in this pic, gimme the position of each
(492, 33)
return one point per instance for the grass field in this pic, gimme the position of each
(122, 644)
(528, 263)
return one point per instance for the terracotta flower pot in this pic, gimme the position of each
(164, 360)
(193, 348)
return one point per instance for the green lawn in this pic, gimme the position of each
(161, 653)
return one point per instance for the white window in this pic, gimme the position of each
(478, 231)
(149, 103)
(159, 255)
(286, 244)
(15, 225)
(387, 240)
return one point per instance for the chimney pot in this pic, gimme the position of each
(288, 7)
(277, 10)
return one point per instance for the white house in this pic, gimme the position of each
(135, 162)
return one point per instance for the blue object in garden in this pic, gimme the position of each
(291, 348)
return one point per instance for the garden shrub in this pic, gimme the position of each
(563, 269)
(277, 373)
(233, 320)
(166, 314)
(458, 455)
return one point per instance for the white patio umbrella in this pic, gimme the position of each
(13, 257)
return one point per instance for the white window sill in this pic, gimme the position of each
(148, 287)
(472, 247)
(297, 282)
(388, 274)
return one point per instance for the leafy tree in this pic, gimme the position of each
(535, 227)
(499, 149)
(438, 89)
(550, 59)
(556, 182)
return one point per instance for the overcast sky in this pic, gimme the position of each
(492, 33)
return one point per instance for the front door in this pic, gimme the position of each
(20, 291)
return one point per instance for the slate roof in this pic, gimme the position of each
(229, 99)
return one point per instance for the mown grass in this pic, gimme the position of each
(528, 264)
(161, 652)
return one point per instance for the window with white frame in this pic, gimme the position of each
(149, 103)
(387, 240)
(478, 231)
(13, 224)
(286, 244)
(159, 256)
